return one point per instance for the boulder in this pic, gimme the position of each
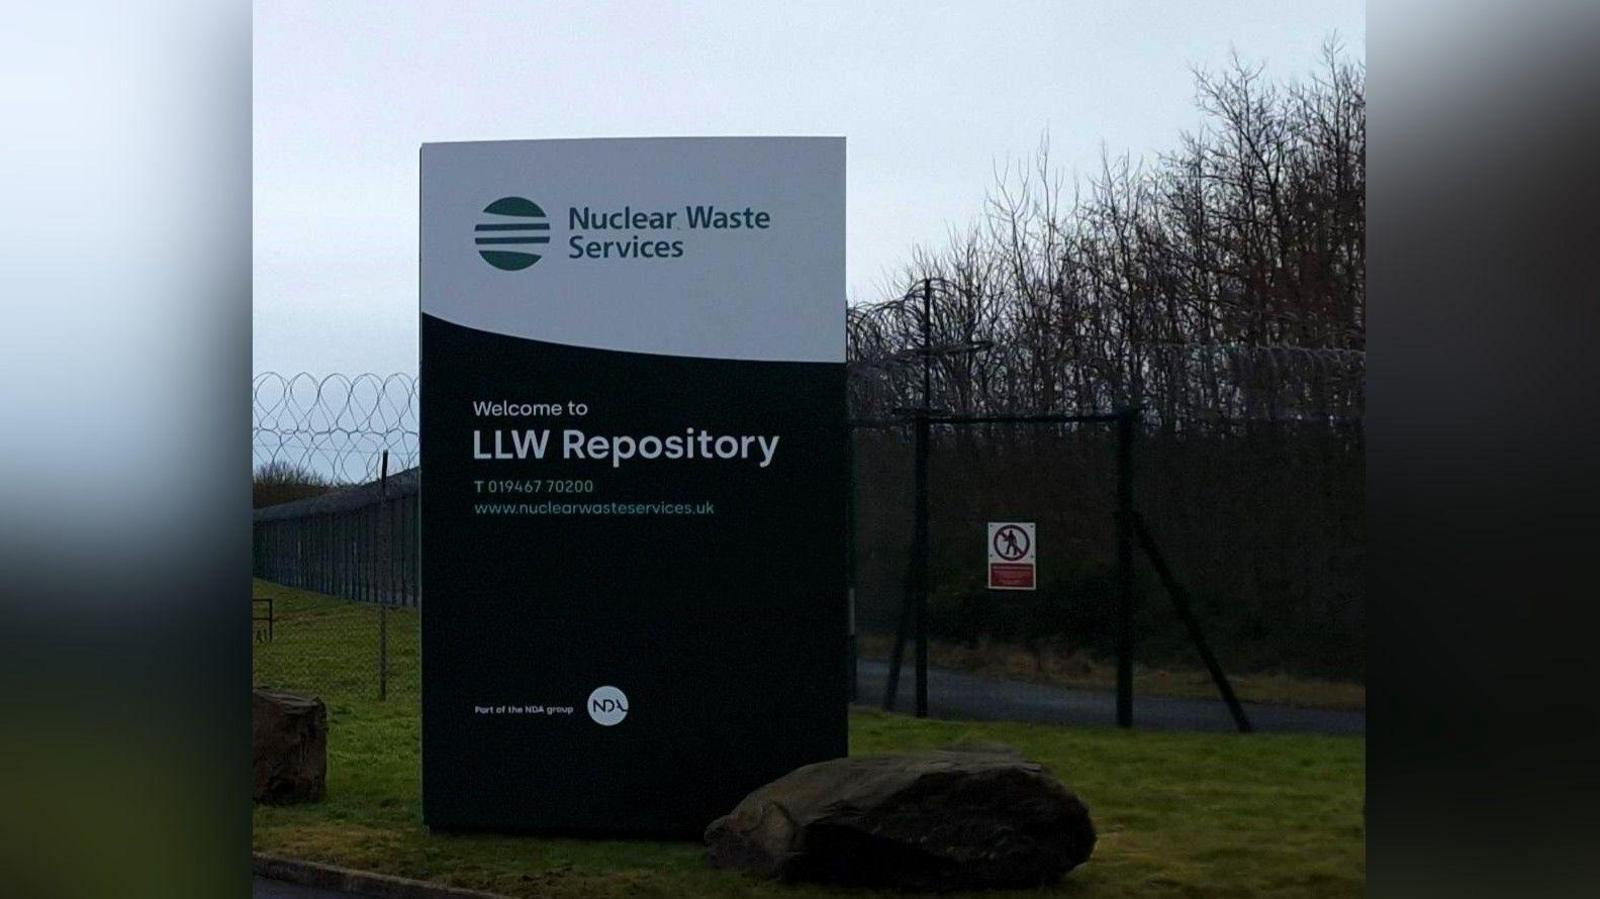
(289, 733)
(937, 820)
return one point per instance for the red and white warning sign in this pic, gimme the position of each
(1012, 556)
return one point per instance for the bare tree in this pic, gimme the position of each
(1221, 287)
(1224, 281)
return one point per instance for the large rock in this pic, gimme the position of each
(945, 819)
(290, 738)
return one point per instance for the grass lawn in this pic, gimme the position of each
(1178, 814)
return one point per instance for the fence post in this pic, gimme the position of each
(850, 571)
(404, 507)
(383, 601)
(920, 562)
(914, 610)
(891, 690)
(922, 497)
(1126, 420)
(1196, 634)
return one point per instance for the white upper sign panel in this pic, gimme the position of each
(727, 248)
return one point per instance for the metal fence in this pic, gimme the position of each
(331, 647)
(1262, 522)
(358, 543)
(352, 631)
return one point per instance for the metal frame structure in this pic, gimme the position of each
(1131, 529)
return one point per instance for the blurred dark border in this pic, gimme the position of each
(124, 449)
(1483, 359)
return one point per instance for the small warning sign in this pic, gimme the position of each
(1012, 556)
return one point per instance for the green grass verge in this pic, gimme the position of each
(1178, 814)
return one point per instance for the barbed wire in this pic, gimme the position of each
(335, 426)
(1035, 371)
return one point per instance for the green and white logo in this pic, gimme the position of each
(517, 222)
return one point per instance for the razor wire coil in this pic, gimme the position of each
(335, 426)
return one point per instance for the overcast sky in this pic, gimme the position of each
(932, 98)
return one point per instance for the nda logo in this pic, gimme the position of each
(514, 222)
(608, 706)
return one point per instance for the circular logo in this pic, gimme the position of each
(1011, 542)
(514, 222)
(608, 705)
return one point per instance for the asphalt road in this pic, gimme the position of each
(969, 697)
